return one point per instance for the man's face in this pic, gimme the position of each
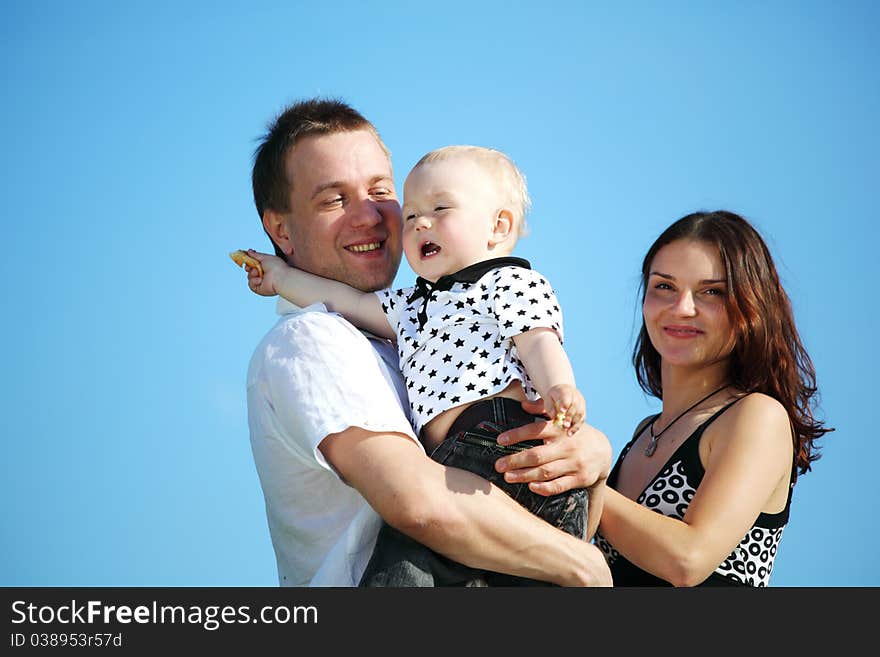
(344, 218)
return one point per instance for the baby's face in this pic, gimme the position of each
(449, 212)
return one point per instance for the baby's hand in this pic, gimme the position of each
(566, 407)
(273, 268)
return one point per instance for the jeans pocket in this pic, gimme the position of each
(568, 512)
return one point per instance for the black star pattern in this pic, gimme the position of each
(469, 332)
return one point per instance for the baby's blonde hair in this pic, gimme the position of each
(511, 180)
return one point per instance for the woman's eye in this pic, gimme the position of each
(715, 292)
(662, 286)
(440, 208)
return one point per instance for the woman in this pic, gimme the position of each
(702, 492)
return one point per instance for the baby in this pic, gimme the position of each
(479, 333)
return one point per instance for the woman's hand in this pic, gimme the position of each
(562, 463)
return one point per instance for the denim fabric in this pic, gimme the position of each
(398, 560)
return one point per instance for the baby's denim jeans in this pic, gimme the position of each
(471, 445)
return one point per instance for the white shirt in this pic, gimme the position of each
(313, 375)
(455, 336)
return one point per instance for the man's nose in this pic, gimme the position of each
(365, 213)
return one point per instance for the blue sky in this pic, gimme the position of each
(128, 130)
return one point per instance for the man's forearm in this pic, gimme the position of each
(479, 525)
(459, 514)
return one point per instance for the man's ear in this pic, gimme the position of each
(502, 228)
(276, 227)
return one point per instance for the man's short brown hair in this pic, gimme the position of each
(306, 118)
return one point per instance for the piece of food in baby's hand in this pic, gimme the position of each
(241, 258)
(559, 419)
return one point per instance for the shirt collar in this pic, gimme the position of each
(285, 307)
(473, 273)
(425, 289)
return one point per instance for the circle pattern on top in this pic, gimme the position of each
(750, 562)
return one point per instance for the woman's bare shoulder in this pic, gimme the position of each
(756, 417)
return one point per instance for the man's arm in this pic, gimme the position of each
(457, 513)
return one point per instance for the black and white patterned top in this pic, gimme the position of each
(455, 336)
(670, 494)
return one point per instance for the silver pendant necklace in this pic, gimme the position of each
(652, 446)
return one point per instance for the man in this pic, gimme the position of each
(331, 441)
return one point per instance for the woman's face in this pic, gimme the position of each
(685, 307)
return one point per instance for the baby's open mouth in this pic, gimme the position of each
(429, 249)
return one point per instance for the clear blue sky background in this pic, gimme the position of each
(128, 130)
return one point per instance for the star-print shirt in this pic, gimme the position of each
(455, 336)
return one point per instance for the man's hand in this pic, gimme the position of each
(273, 268)
(562, 463)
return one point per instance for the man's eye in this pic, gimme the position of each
(410, 216)
(381, 192)
(335, 200)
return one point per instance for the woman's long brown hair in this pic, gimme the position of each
(767, 355)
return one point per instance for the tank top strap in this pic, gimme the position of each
(700, 429)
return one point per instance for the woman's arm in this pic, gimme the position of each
(748, 461)
(564, 462)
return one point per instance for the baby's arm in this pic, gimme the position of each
(363, 309)
(551, 372)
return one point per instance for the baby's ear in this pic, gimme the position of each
(502, 228)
